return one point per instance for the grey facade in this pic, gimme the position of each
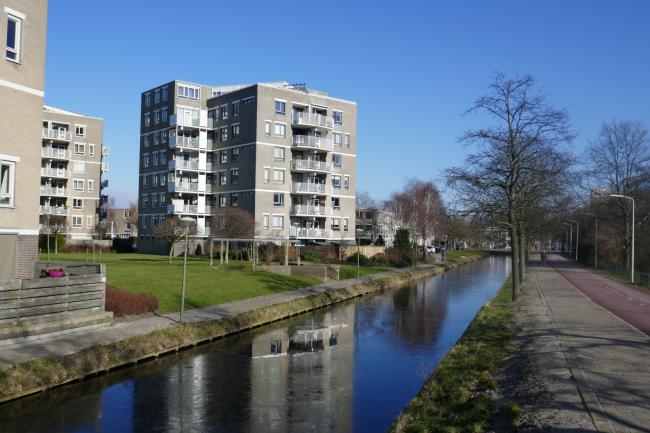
(72, 165)
(23, 25)
(119, 223)
(372, 223)
(283, 152)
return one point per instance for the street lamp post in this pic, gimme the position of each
(570, 238)
(632, 200)
(577, 235)
(187, 222)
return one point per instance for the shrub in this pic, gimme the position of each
(379, 260)
(198, 251)
(400, 258)
(123, 303)
(55, 238)
(363, 260)
(308, 256)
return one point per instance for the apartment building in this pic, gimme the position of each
(119, 223)
(373, 224)
(72, 166)
(283, 152)
(23, 25)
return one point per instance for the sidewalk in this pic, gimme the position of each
(609, 359)
(25, 349)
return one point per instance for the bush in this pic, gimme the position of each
(308, 256)
(55, 238)
(379, 260)
(363, 260)
(123, 303)
(400, 258)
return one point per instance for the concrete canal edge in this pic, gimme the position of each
(42, 374)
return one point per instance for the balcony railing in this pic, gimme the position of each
(310, 165)
(307, 210)
(311, 119)
(186, 165)
(104, 167)
(54, 210)
(59, 192)
(182, 186)
(175, 120)
(310, 188)
(54, 172)
(304, 233)
(56, 134)
(184, 141)
(105, 151)
(50, 152)
(312, 142)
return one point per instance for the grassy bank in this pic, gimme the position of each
(205, 285)
(456, 398)
(459, 256)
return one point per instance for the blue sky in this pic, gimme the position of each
(413, 67)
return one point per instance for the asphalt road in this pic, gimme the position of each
(623, 300)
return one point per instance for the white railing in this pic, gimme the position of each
(186, 165)
(175, 120)
(105, 151)
(205, 231)
(311, 119)
(310, 210)
(296, 232)
(104, 167)
(54, 172)
(54, 210)
(48, 190)
(312, 142)
(50, 152)
(182, 186)
(183, 141)
(313, 188)
(308, 164)
(56, 134)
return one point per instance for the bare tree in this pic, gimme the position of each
(619, 163)
(516, 159)
(173, 230)
(233, 223)
(363, 200)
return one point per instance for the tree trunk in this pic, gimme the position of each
(523, 251)
(171, 251)
(514, 256)
(227, 252)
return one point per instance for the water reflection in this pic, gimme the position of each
(349, 368)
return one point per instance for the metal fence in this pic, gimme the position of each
(642, 278)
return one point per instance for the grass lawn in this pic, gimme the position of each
(348, 271)
(205, 286)
(453, 256)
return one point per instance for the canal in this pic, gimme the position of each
(349, 368)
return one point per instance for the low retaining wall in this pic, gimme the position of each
(42, 305)
(366, 250)
(326, 272)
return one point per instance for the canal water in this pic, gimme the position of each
(349, 368)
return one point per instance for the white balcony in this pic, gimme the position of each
(185, 121)
(203, 231)
(54, 210)
(56, 134)
(303, 233)
(314, 211)
(56, 192)
(54, 172)
(310, 188)
(105, 151)
(183, 141)
(51, 152)
(182, 187)
(310, 165)
(311, 120)
(187, 165)
(104, 167)
(312, 142)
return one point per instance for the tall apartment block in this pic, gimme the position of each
(283, 152)
(23, 25)
(72, 165)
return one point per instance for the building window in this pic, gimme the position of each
(234, 154)
(222, 200)
(235, 130)
(265, 221)
(144, 180)
(165, 93)
(346, 182)
(77, 203)
(79, 149)
(147, 120)
(278, 175)
(163, 136)
(163, 179)
(79, 167)
(145, 200)
(154, 200)
(336, 159)
(164, 114)
(77, 221)
(278, 222)
(156, 117)
(346, 140)
(91, 185)
(224, 156)
(278, 199)
(89, 221)
(224, 112)
(346, 224)
(145, 160)
(267, 128)
(234, 199)
(78, 185)
(154, 159)
(278, 153)
(80, 130)
(249, 100)
(224, 133)
(267, 174)
(6, 183)
(337, 138)
(147, 99)
(187, 92)
(336, 203)
(154, 180)
(156, 96)
(163, 197)
(156, 138)
(234, 176)
(163, 157)
(145, 141)
(235, 109)
(338, 117)
(280, 107)
(336, 181)
(280, 129)
(336, 224)
(91, 150)
(14, 28)
(223, 180)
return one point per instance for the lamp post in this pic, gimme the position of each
(570, 237)
(186, 222)
(358, 252)
(577, 235)
(632, 200)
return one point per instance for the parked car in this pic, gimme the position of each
(431, 249)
